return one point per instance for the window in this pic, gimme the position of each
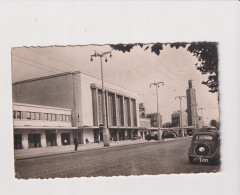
(67, 118)
(61, 117)
(18, 115)
(54, 117)
(49, 117)
(14, 114)
(37, 116)
(204, 137)
(28, 115)
(32, 115)
(45, 116)
(64, 117)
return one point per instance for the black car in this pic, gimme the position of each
(151, 136)
(205, 147)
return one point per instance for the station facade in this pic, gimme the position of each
(47, 110)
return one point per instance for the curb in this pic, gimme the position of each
(90, 149)
(69, 152)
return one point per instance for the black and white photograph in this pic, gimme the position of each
(116, 110)
(119, 97)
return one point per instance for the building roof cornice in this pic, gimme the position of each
(46, 77)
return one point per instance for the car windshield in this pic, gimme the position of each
(204, 137)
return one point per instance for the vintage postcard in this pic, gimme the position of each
(115, 110)
(119, 97)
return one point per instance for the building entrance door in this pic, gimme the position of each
(101, 136)
(79, 137)
(17, 141)
(34, 140)
(51, 139)
(65, 136)
(96, 137)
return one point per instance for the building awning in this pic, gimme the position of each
(33, 127)
(126, 128)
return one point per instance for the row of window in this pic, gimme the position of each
(37, 116)
(120, 110)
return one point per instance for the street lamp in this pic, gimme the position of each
(106, 141)
(195, 116)
(201, 114)
(157, 84)
(180, 98)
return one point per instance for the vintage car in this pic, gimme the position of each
(205, 147)
(151, 136)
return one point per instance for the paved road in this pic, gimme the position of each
(151, 158)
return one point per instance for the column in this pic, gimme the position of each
(130, 112)
(71, 137)
(107, 104)
(43, 138)
(94, 104)
(25, 139)
(117, 135)
(59, 143)
(123, 111)
(98, 135)
(97, 118)
(115, 110)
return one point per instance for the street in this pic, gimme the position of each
(151, 158)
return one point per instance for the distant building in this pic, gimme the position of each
(191, 105)
(142, 110)
(176, 119)
(167, 125)
(153, 118)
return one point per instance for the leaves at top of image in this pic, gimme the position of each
(122, 47)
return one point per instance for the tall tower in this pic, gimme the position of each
(191, 105)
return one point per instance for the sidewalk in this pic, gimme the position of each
(56, 150)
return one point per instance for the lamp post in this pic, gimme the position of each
(181, 124)
(195, 116)
(106, 141)
(157, 84)
(201, 114)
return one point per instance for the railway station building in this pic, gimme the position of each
(47, 110)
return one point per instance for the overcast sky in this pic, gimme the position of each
(135, 70)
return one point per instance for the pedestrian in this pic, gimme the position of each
(65, 142)
(76, 143)
(86, 140)
(156, 137)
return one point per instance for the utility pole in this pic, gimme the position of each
(201, 114)
(106, 141)
(157, 84)
(195, 116)
(181, 123)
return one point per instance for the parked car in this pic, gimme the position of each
(151, 136)
(205, 147)
(135, 137)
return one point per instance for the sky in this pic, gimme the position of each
(134, 70)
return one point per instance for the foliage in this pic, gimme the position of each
(215, 123)
(207, 55)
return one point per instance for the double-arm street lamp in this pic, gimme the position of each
(181, 121)
(106, 141)
(157, 84)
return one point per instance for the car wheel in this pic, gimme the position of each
(190, 159)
